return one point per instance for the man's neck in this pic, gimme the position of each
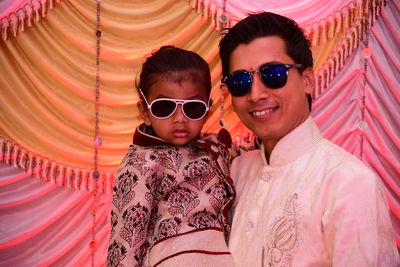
(269, 146)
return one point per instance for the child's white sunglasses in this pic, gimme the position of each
(163, 108)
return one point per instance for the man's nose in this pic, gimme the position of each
(258, 89)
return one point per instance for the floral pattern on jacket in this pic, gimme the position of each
(163, 190)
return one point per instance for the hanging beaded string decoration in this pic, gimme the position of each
(365, 53)
(97, 141)
(223, 19)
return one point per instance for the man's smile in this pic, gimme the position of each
(264, 112)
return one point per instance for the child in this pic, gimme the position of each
(172, 190)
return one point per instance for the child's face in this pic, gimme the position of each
(177, 129)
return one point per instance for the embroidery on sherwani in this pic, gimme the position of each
(198, 173)
(140, 254)
(221, 156)
(218, 196)
(168, 227)
(170, 159)
(133, 220)
(136, 159)
(168, 181)
(203, 219)
(173, 181)
(114, 222)
(116, 253)
(155, 217)
(194, 152)
(182, 200)
(283, 238)
(123, 190)
(219, 153)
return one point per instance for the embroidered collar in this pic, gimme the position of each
(294, 144)
(145, 136)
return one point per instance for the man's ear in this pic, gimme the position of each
(144, 112)
(309, 80)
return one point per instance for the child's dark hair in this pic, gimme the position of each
(262, 25)
(174, 64)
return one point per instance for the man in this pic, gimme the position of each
(301, 200)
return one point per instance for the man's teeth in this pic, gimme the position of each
(263, 112)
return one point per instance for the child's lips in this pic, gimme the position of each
(180, 133)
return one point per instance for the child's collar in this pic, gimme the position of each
(145, 136)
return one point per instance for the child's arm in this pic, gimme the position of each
(131, 210)
(243, 142)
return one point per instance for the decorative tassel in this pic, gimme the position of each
(29, 11)
(353, 12)
(21, 19)
(330, 69)
(29, 163)
(198, 8)
(22, 159)
(91, 182)
(108, 180)
(346, 17)
(14, 23)
(6, 153)
(60, 178)
(43, 169)
(67, 177)
(14, 158)
(338, 64)
(52, 177)
(75, 178)
(331, 27)
(194, 4)
(324, 31)
(206, 11)
(374, 12)
(315, 39)
(44, 7)
(36, 7)
(338, 19)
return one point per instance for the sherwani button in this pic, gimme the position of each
(248, 227)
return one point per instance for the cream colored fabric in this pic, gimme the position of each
(313, 205)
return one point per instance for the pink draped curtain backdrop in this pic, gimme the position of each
(47, 224)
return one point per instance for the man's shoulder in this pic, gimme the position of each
(339, 160)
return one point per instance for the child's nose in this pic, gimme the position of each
(179, 116)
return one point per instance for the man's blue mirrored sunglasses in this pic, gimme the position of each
(274, 76)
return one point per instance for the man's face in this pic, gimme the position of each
(271, 113)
